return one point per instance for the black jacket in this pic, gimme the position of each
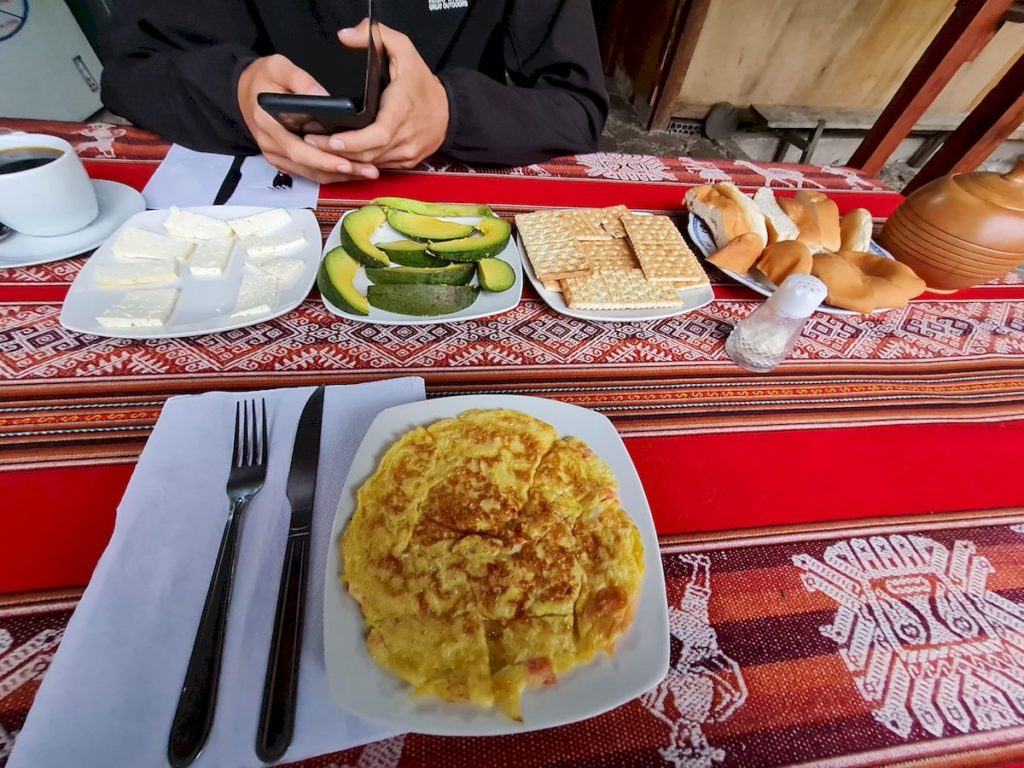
(523, 77)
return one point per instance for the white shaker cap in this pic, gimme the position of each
(798, 296)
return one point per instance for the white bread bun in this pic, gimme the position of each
(855, 230)
(827, 213)
(780, 226)
(724, 218)
(806, 221)
(754, 217)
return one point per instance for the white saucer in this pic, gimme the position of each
(118, 203)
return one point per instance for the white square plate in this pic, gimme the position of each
(754, 279)
(693, 298)
(487, 302)
(361, 687)
(205, 303)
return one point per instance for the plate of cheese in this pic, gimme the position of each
(186, 272)
(493, 569)
(611, 264)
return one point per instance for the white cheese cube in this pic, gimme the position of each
(257, 295)
(141, 308)
(210, 257)
(260, 223)
(284, 270)
(136, 272)
(194, 226)
(135, 243)
(274, 245)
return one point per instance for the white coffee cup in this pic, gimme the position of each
(52, 199)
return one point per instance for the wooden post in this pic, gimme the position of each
(989, 125)
(967, 27)
(679, 56)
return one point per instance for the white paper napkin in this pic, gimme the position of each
(189, 178)
(109, 697)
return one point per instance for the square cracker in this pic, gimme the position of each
(557, 260)
(611, 220)
(609, 254)
(585, 224)
(650, 229)
(627, 289)
(552, 285)
(661, 250)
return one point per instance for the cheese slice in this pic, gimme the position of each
(194, 226)
(284, 270)
(210, 257)
(257, 295)
(135, 243)
(260, 223)
(139, 272)
(141, 308)
(264, 247)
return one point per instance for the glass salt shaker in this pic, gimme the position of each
(764, 338)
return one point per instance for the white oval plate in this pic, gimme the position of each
(117, 202)
(754, 280)
(487, 302)
(693, 298)
(205, 303)
(362, 687)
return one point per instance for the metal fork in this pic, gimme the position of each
(282, 181)
(194, 715)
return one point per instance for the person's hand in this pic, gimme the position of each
(283, 149)
(412, 120)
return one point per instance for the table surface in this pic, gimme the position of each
(759, 483)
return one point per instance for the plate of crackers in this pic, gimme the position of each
(611, 264)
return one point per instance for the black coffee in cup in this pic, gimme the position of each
(17, 159)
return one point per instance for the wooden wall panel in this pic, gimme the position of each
(977, 77)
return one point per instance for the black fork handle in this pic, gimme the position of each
(194, 715)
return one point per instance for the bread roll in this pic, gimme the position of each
(754, 217)
(740, 254)
(806, 222)
(865, 282)
(781, 260)
(724, 217)
(780, 226)
(827, 213)
(855, 230)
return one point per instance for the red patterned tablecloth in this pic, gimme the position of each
(794, 645)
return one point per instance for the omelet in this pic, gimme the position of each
(488, 555)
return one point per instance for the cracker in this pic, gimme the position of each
(609, 254)
(557, 260)
(611, 220)
(662, 252)
(627, 289)
(648, 229)
(543, 227)
(552, 285)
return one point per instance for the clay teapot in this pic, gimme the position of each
(961, 230)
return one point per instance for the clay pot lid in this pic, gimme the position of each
(1005, 190)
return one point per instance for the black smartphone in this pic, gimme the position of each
(329, 114)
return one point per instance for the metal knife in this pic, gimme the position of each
(277, 715)
(230, 183)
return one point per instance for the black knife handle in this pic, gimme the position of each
(277, 715)
(194, 716)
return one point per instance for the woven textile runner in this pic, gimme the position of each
(849, 645)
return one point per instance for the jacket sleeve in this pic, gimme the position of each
(174, 70)
(555, 102)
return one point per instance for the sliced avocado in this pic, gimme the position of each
(334, 279)
(410, 254)
(491, 240)
(453, 274)
(355, 232)
(427, 228)
(421, 300)
(432, 209)
(494, 274)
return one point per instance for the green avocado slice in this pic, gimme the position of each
(432, 209)
(495, 275)
(409, 253)
(421, 300)
(492, 238)
(334, 279)
(453, 274)
(427, 228)
(356, 229)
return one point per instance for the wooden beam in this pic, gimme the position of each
(967, 27)
(679, 55)
(987, 126)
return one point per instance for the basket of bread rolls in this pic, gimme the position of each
(761, 240)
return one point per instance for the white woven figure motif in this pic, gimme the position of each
(785, 177)
(925, 640)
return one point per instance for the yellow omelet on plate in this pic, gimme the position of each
(488, 555)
